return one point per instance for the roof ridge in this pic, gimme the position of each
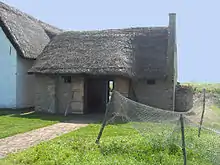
(117, 32)
(23, 14)
(27, 34)
(120, 29)
(16, 11)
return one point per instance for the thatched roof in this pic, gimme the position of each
(28, 35)
(139, 52)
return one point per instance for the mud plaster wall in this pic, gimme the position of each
(70, 95)
(122, 86)
(184, 98)
(45, 94)
(158, 95)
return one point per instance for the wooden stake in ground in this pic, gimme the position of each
(203, 111)
(183, 139)
(103, 125)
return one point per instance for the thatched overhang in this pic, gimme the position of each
(28, 35)
(133, 52)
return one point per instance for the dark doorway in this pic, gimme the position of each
(96, 95)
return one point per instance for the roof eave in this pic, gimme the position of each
(11, 38)
(13, 42)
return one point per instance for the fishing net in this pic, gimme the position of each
(151, 122)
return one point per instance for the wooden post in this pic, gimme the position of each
(56, 104)
(172, 59)
(103, 125)
(110, 105)
(183, 139)
(203, 111)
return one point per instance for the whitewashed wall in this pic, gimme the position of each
(17, 88)
(25, 91)
(8, 65)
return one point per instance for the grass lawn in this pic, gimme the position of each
(120, 145)
(15, 121)
(210, 87)
(213, 95)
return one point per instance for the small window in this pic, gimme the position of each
(67, 79)
(10, 50)
(151, 82)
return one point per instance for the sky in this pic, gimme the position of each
(198, 25)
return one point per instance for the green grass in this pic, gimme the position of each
(120, 145)
(216, 109)
(15, 121)
(210, 87)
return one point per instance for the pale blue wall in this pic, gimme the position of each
(25, 91)
(8, 65)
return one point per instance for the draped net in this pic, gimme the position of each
(150, 122)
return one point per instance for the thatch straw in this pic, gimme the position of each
(140, 52)
(28, 35)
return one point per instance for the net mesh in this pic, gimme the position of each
(165, 125)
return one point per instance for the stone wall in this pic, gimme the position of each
(45, 94)
(158, 95)
(184, 98)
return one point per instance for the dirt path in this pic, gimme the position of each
(25, 140)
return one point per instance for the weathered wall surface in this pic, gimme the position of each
(122, 86)
(161, 95)
(184, 98)
(70, 95)
(45, 94)
(8, 56)
(25, 91)
(158, 95)
(78, 95)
